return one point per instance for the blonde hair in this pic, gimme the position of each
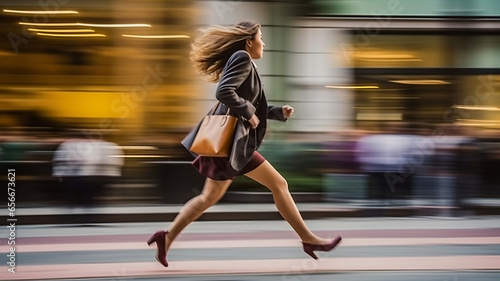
(211, 51)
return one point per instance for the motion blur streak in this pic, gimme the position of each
(395, 102)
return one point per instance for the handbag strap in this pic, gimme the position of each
(215, 109)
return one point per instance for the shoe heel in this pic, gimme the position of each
(151, 240)
(308, 250)
(154, 238)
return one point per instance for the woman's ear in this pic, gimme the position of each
(249, 43)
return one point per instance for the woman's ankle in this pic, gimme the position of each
(315, 240)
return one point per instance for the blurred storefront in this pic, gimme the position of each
(104, 65)
(428, 62)
(431, 65)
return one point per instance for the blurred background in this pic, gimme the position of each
(396, 101)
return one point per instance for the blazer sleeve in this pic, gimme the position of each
(275, 113)
(236, 72)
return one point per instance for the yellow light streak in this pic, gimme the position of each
(378, 107)
(353, 87)
(60, 30)
(60, 24)
(115, 25)
(138, 147)
(71, 35)
(480, 121)
(379, 56)
(421, 82)
(49, 24)
(482, 108)
(384, 55)
(391, 60)
(379, 116)
(395, 98)
(39, 12)
(479, 124)
(156, 36)
(137, 156)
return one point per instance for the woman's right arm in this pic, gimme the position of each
(237, 70)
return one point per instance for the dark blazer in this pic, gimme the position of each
(240, 89)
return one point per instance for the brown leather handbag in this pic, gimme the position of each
(215, 135)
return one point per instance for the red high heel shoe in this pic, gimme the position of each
(310, 248)
(159, 239)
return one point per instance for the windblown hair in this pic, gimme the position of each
(211, 51)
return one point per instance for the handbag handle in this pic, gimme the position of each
(215, 109)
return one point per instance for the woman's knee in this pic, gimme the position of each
(212, 198)
(280, 184)
(214, 191)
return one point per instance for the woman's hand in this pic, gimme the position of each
(254, 121)
(287, 111)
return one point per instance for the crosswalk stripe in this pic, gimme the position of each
(225, 244)
(286, 267)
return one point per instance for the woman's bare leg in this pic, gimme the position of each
(212, 192)
(267, 175)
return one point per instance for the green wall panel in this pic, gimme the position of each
(482, 8)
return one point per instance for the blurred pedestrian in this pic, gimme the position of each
(85, 165)
(225, 55)
(111, 163)
(68, 162)
(454, 163)
(102, 164)
(387, 159)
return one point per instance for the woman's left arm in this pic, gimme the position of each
(281, 113)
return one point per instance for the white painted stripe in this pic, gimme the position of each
(263, 243)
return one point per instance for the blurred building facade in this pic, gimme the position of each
(342, 64)
(360, 63)
(111, 65)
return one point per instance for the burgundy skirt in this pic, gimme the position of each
(218, 168)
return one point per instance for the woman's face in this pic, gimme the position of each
(255, 47)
